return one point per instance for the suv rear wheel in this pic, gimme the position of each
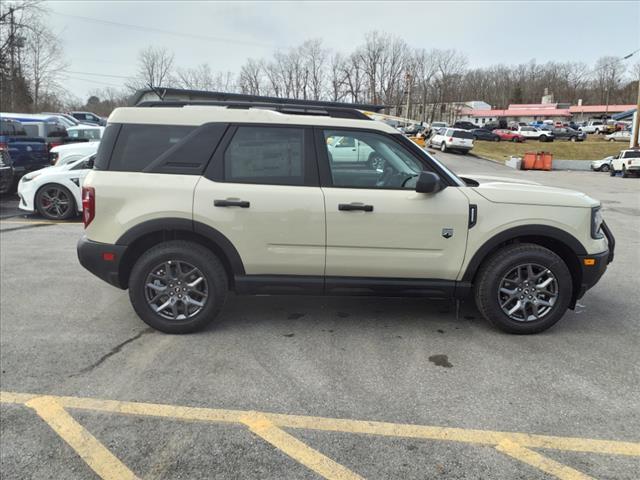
(523, 288)
(178, 287)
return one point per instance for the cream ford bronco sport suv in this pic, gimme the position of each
(188, 200)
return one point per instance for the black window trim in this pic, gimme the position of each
(215, 170)
(326, 179)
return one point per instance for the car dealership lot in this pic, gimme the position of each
(64, 333)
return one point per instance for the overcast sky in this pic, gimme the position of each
(107, 39)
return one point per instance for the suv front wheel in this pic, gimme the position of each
(523, 288)
(178, 287)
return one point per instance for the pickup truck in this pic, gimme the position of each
(27, 153)
(594, 126)
(534, 133)
(627, 162)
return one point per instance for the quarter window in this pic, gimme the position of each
(266, 155)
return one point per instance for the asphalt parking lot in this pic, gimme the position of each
(304, 387)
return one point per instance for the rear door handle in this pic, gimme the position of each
(347, 207)
(231, 203)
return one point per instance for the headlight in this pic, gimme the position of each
(596, 223)
(27, 178)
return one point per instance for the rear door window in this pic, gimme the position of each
(266, 155)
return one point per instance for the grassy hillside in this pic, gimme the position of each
(593, 148)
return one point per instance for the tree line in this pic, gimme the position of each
(383, 69)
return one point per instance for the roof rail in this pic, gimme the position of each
(290, 109)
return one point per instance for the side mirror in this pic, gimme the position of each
(89, 163)
(428, 182)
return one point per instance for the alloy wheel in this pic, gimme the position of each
(55, 202)
(528, 292)
(176, 290)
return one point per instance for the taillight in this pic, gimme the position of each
(88, 205)
(451, 139)
(4, 146)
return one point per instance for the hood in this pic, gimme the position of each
(508, 190)
(88, 146)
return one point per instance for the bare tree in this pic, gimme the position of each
(44, 63)
(155, 69)
(251, 79)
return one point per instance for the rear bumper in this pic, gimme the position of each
(591, 274)
(102, 259)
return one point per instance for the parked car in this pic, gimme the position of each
(26, 153)
(465, 125)
(603, 165)
(502, 124)
(574, 125)
(6, 171)
(55, 192)
(482, 134)
(72, 152)
(515, 125)
(185, 204)
(438, 125)
(50, 128)
(88, 117)
(620, 136)
(452, 139)
(535, 134)
(565, 133)
(86, 132)
(509, 135)
(594, 126)
(626, 162)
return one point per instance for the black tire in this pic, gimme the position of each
(612, 139)
(443, 147)
(543, 138)
(624, 172)
(195, 255)
(515, 140)
(496, 139)
(612, 172)
(605, 168)
(46, 207)
(574, 139)
(495, 269)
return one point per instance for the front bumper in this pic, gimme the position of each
(27, 193)
(591, 274)
(102, 259)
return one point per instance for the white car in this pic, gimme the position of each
(622, 136)
(594, 126)
(72, 152)
(55, 192)
(452, 139)
(88, 132)
(603, 165)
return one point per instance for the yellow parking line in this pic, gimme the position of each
(269, 427)
(297, 450)
(101, 460)
(540, 462)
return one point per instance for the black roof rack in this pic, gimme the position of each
(177, 97)
(290, 109)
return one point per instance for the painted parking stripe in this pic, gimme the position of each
(299, 451)
(36, 222)
(269, 427)
(540, 462)
(96, 455)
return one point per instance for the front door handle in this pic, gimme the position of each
(347, 207)
(231, 203)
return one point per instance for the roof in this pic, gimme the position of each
(201, 114)
(28, 117)
(600, 108)
(522, 112)
(180, 94)
(625, 115)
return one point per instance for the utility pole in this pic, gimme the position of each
(636, 120)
